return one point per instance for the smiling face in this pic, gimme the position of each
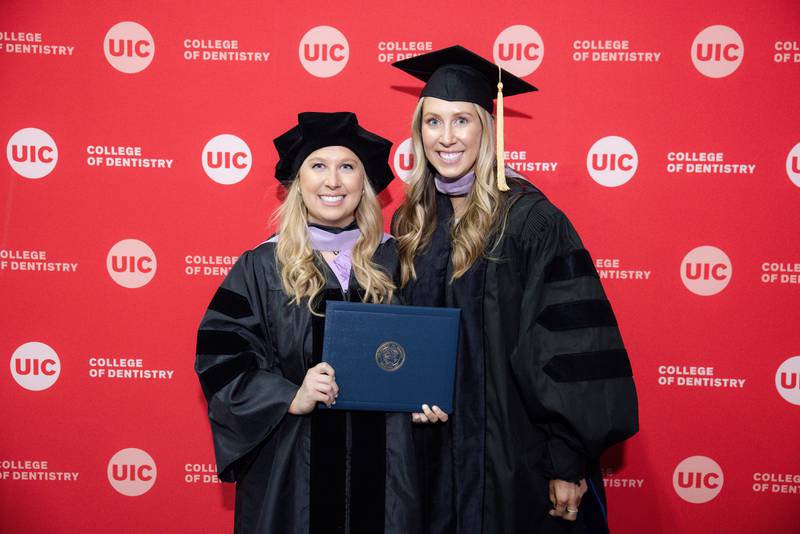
(331, 184)
(451, 135)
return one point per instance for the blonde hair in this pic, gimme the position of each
(300, 276)
(415, 221)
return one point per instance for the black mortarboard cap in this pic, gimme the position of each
(460, 75)
(315, 130)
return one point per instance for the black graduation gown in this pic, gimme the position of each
(543, 381)
(329, 471)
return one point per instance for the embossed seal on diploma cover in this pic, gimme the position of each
(390, 356)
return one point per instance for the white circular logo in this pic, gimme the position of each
(706, 270)
(131, 263)
(612, 161)
(35, 366)
(132, 472)
(129, 47)
(32, 153)
(404, 160)
(324, 51)
(793, 165)
(697, 479)
(717, 51)
(787, 380)
(227, 159)
(518, 49)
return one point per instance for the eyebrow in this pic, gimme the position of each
(429, 114)
(319, 159)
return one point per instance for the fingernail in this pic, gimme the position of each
(425, 407)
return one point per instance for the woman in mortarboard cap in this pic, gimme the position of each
(544, 384)
(297, 469)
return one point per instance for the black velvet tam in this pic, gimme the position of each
(315, 130)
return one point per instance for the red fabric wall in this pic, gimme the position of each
(690, 209)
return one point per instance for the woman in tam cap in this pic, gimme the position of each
(543, 381)
(297, 469)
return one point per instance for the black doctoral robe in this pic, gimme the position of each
(543, 381)
(326, 472)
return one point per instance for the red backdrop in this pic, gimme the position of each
(668, 133)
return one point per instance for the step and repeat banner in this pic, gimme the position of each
(139, 165)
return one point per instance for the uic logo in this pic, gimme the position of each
(132, 472)
(324, 51)
(35, 366)
(519, 49)
(717, 51)
(404, 160)
(227, 159)
(697, 479)
(787, 380)
(706, 270)
(131, 263)
(793, 165)
(129, 47)
(612, 161)
(32, 153)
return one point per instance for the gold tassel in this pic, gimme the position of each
(501, 165)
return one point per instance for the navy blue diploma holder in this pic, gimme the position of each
(391, 358)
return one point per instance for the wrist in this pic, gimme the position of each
(294, 407)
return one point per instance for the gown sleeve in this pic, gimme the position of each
(570, 362)
(247, 395)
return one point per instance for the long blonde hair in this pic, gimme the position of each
(416, 217)
(300, 276)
